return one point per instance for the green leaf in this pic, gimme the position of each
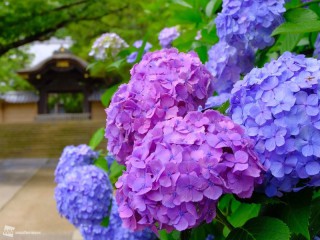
(304, 27)
(223, 108)
(261, 228)
(296, 212)
(106, 220)
(96, 138)
(107, 95)
(243, 213)
(202, 53)
(101, 162)
(182, 3)
(115, 171)
(314, 225)
(174, 235)
(286, 42)
(300, 15)
(209, 8)
(188, 16)
(115, 65)
(299, 20)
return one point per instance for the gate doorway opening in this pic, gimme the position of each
(60, 103)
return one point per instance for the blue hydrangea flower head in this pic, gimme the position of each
(167, 35)
(249, 22)
(138, 44)
(74, 156)
(210, 237)
(115, 230)
(226, 63)
(279, 107)
(84, 196)
(316, 52)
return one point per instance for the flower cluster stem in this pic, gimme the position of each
(222, 219)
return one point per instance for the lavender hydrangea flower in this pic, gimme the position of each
(217, 101)
(138, 44)
(114, 231)
(163, 85)
(249, 22)
(107, 45)
(180, 169)
(316, 52)
(279, 107)
(84, 196)
(74, 156)
(226, 63)
(167, 35)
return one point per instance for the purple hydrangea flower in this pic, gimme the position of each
(177, 173)
(279, 107)
(84, 196)
(167, 35)
(249, 22)
(115, 230)
(138, 44)
(165, 84)
(107, 45)
(226, 63)
(316, 52)
(74, 156)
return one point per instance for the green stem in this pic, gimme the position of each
(305, 4)
(222, 219)
(186, 234)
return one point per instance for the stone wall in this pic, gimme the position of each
(18, 112)
(97, 111)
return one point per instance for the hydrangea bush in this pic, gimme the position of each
(186, 171)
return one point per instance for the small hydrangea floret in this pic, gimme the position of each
(167, 35)
(279, 107)
(176, 175)
(226, 63)
(138, 44)
(165, 84)
(74, 156)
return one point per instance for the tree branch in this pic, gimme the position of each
(28, 18)
(52, 29)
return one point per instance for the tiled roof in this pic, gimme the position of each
(19, 97)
